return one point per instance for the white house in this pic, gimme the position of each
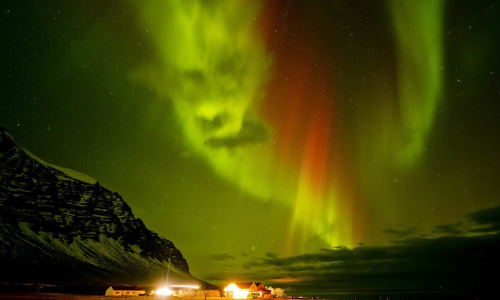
(115, 290)
(240, 290)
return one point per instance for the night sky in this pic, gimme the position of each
(314, 145)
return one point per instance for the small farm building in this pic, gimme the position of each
(115, 290)
(240, 290)
(261, 289)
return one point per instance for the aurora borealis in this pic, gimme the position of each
(272, 140)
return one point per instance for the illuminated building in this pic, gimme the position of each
(243, 290)
(124, 291)
(240, 290)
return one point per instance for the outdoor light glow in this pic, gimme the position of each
(240, 294)
(164, 291)
(186, 286)
(231, 287)
(237, 292)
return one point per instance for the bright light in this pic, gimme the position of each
(237, 292)
(186, 286)
(240, 294)
(231, 287)
(165, 292)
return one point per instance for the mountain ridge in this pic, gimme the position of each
(57, 228)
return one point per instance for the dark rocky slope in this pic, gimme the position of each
(58, 226)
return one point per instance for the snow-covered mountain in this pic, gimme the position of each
(61, 226)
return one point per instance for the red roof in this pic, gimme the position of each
(126, 288)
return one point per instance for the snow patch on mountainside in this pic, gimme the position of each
(106, 252)
(69, 172)
(90, 251)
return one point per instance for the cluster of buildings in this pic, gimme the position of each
(251, 290)
(172, 290)
(246, 290)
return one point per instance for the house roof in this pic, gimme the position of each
(126, 288)
(244, 285)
